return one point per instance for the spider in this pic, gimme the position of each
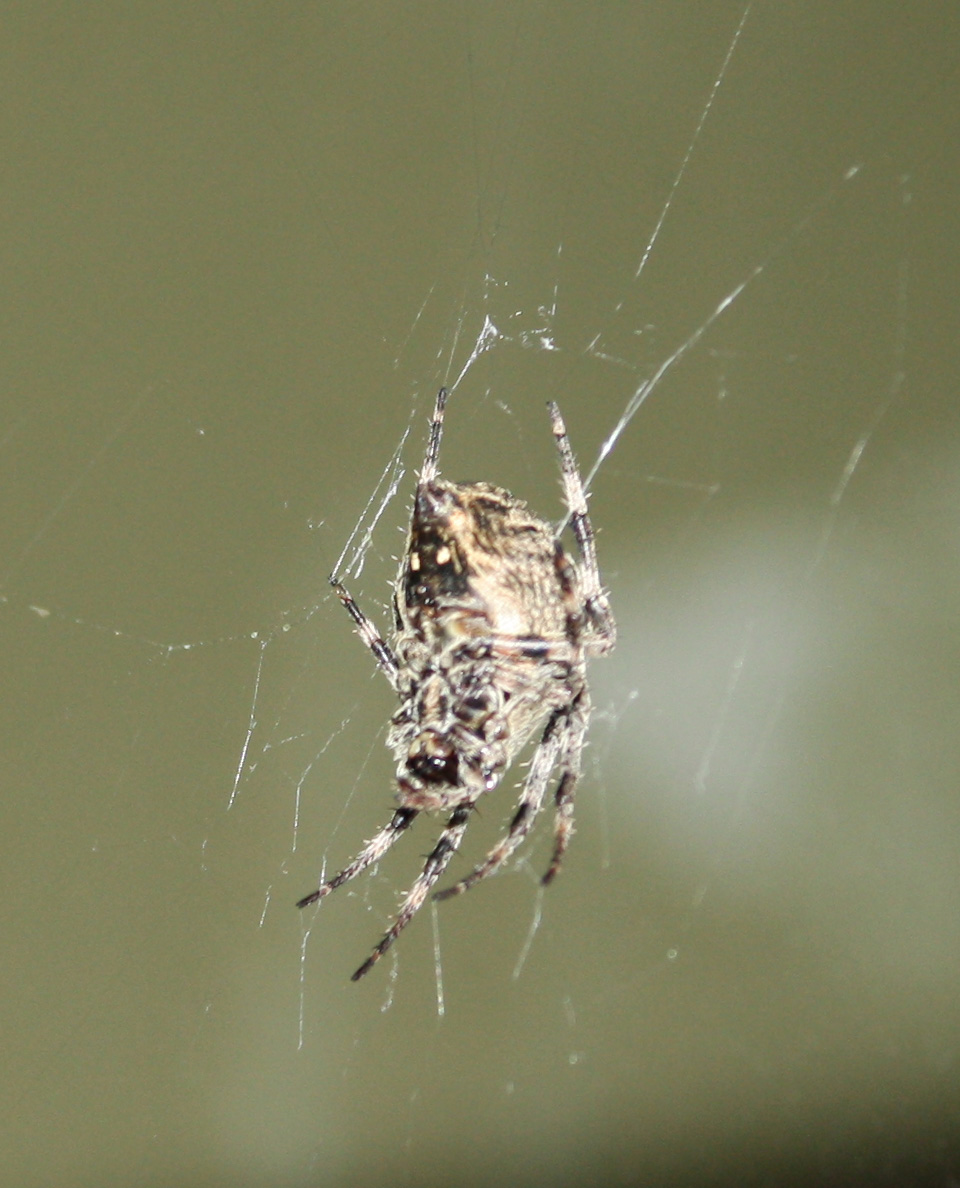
(494, 622)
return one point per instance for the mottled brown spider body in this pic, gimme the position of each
(494, 622)
(485, 594)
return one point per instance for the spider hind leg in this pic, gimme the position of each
(531, 800)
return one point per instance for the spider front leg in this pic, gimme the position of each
(436, 864)
(368, 633)
(595, 600)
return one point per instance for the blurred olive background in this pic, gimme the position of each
(242, 246)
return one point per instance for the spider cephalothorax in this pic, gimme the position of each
(494, 622)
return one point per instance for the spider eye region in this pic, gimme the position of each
(433, 758)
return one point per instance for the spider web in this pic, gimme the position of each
(724, 243)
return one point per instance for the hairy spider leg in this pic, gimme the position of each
(368, 633)
(435, 865)
(563, 798)
(372, 852)
(529, 805)
(576, 500)
(428, 471)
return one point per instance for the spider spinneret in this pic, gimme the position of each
(494, 622)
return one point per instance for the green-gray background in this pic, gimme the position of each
(242, 245)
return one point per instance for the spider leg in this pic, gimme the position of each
(563, 828)
(371, 852)
(531, 800)
(428, 472)
(563, 798)
(433, 868)
(368, 633)
(598, 608)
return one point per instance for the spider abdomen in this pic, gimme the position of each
(480, 563)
